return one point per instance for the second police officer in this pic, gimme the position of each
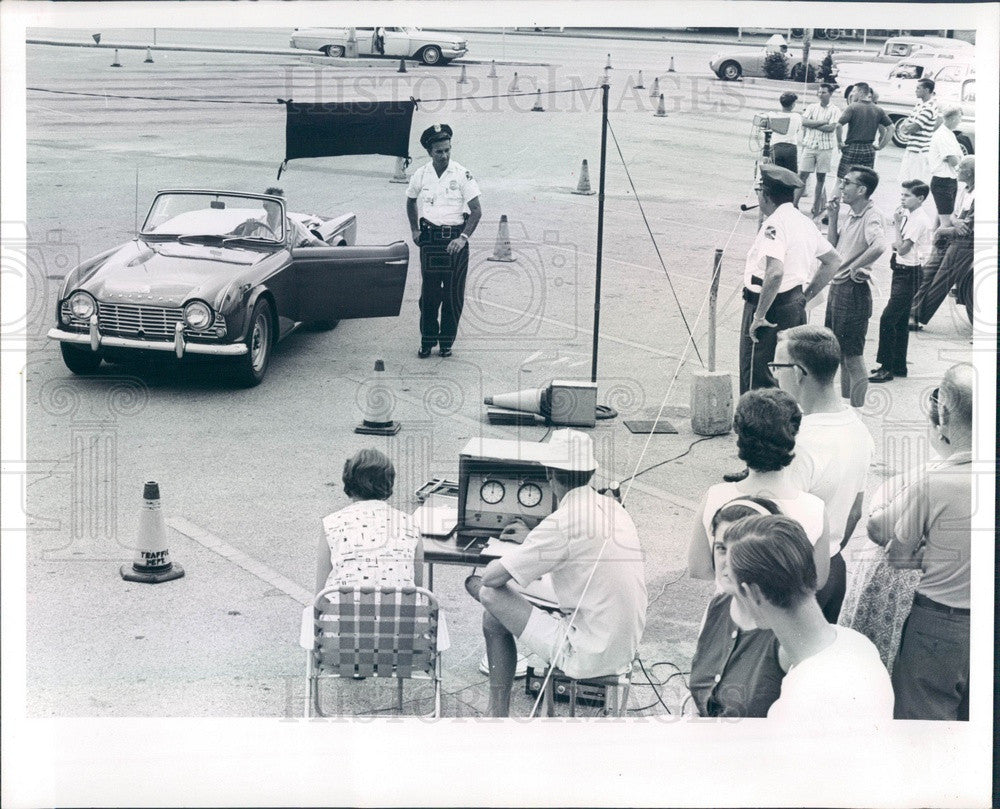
(443, 208)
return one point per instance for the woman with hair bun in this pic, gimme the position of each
(766, 423)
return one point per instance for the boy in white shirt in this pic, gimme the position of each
(785, 145)
(910, 251)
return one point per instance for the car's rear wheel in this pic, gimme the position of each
(252, 366)
(431, 55)
(80, 360)
(899, 138)
(730, 70)
(334, 50)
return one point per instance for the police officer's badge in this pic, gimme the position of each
(468, 175)
(770, 232)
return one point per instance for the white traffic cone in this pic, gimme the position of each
(654, 91)
(502, 250)
(538, 102)
(377, 406)
(152, 563)
(608, 65)
(116, 63)
(400, 174)
(671, 68)
(661, 110)
(462, 79)
(149, 57)
(513, 84)
(640, 85)
(583, 186)
(493, 70)
(529, 400)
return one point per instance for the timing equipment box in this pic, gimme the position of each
(586, 693)
(573, 404)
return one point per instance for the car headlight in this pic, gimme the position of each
(198, 315)
(82, 305)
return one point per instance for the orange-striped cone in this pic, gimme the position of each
(400, 175)
(502, 250)
(654, 91)
(661, 110)
(152, 563)
(377, 407)
(583, 186)
(116, 63)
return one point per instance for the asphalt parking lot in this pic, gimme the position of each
(246, 475)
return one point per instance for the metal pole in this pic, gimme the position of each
(713, 299)
(605, 89)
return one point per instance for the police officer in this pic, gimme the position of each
(779, 278)
(449, 213)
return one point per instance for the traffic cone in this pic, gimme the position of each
(152, 563)
(493, 70)
(400, 175)
(538, 102)
(116, 63)
(661, 110)
(608, 65)
(379, 402)
(513, 84)
(655, 90)
(402, 66)
(583, 186)
(462, 79)
(640, 85)
(502, 250)
(529, 400)
(149, 57)
(671, 68)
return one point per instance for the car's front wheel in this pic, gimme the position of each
(730, 70)
(334, 50)
(252, 366)
(80, 360)
(431, 55)
(899, 138)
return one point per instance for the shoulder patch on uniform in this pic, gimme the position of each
(468, 175)
(770, 232)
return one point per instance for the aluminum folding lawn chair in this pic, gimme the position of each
(361, 632)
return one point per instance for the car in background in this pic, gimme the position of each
(429, 47)
(222, 275)
(733, 64)
(903, 47)
(954, 84)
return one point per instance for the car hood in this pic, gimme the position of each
(166, 274)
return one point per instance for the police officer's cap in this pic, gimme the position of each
(433, 134)
(778, 175)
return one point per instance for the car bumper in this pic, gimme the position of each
(178, 346)
(453, 53)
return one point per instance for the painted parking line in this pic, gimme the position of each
(241, 560)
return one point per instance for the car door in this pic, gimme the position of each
(397, 42)
(365, 37)
(351, 281)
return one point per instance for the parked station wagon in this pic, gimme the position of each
(222, 275)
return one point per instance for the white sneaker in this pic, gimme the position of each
(520, 670)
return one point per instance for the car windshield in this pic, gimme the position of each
(193, 214)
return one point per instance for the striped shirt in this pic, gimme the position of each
(924, 115)
(813, 138)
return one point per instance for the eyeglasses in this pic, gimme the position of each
(774, 366)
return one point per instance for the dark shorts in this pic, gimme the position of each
(944, 190)
(855, 154)
(848, 311)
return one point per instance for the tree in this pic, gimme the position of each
(826, 67)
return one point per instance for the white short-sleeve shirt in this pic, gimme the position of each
(443, 200)
(917, 227)
(791, 237)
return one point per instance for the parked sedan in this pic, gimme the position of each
(430, 47)
(222, 275)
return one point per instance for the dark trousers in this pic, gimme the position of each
(955, 270)
(442, 291)
(944, 191)
(788, 310)
(786, 155)
(894, 331)
(927, 272)
(930, 677)
(831, 595)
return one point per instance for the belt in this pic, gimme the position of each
(780, 298)
(920, 600)
(441, 231)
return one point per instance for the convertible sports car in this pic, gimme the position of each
(224, 275)
(430, 47)
(733, 64)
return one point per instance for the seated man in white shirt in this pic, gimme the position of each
(590, 548)
(835, 674)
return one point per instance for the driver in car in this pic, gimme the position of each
(301, 237)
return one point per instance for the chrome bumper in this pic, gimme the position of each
(179, 346)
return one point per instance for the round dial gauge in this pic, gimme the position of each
(529, 495)
(492, 491)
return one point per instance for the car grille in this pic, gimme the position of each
(144, 322)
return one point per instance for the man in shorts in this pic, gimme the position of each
(819, 122)
(861, 239)
(590, 548)
(868, 130)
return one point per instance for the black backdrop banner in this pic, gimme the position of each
(327, 129)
